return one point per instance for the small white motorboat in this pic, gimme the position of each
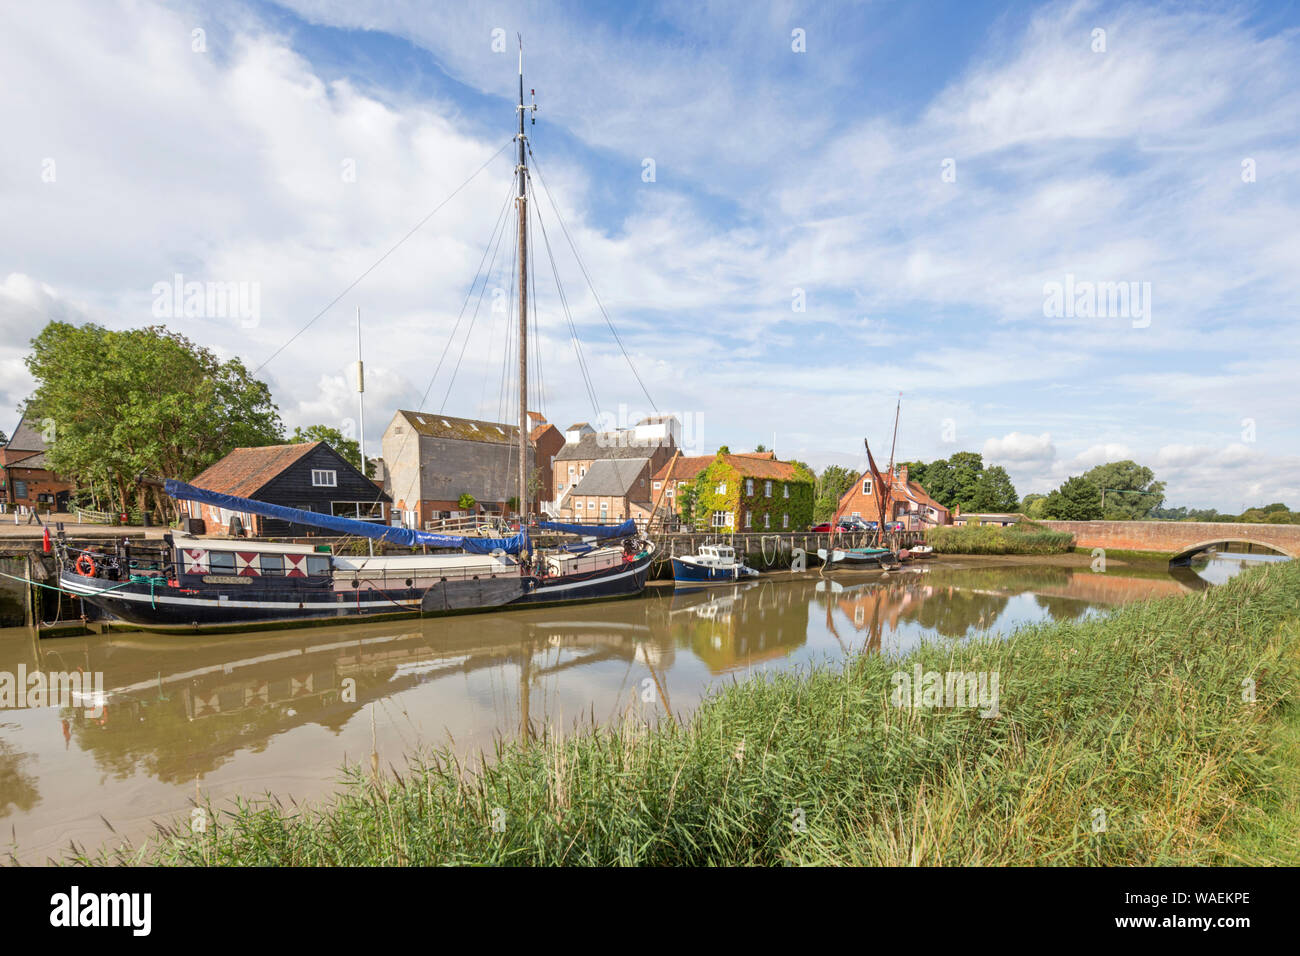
(713, 564)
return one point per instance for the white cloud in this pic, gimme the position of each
(1020, 449)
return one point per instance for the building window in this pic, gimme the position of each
(658, 485)
(324, 478)
(604, 507)
(767, 521)
(767, 489)
(722, 488)
(570, 469)
(578, 505)
(669, 492)
(582, 472)
(785, 521)
(749, 519)
(20, 489)
(360, 510)
(785, 491)
(749, 486)
(866, 486)
(721, 519)
(559, 487)
(591, 504)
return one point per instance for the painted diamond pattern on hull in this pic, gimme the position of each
(295, 565)
(196, 561)
(246, 564)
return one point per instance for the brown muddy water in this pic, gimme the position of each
(282, 711)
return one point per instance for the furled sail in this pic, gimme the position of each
(623, 530)
(368, 529)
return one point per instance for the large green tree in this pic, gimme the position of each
(1130, 491)
(349, 448)
(994, 491)
(1078, 499)
(116, 405)
(829, 488)
(963, 480)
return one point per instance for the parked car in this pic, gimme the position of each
(846, 525)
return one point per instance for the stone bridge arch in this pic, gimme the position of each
(1185, 555)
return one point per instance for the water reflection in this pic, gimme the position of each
(280, 711)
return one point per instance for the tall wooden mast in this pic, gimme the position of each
(521, 200)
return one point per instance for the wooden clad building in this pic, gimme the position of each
(311, 476)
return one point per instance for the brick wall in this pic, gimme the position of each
(1175, 536)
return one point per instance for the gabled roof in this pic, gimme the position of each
(433, 425)
(246, 471)
(621, 444)
(611, 478)
(25, 438)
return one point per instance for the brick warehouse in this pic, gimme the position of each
(431, 460)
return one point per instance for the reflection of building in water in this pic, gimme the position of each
(961, 602)
(739, 625)
(177, 710)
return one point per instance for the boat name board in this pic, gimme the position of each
(225, 579)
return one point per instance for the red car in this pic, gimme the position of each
(845, 525)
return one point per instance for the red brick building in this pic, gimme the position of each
(906, 501)
(25, 476)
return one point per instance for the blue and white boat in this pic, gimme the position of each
(713, 564)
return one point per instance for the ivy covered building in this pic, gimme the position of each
(747, 492)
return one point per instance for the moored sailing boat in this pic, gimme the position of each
(196, 583)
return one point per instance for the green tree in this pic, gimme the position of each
(1078, 499)
(1131, 492)
(1032, 505)
(142, 402)
(760, 448)
(966, 466)
(724, 450)
(994, 491)
(830, 487)
(916, 471)
(349, 448)
(466, 502)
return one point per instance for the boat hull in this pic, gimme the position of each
(688, 572)
(189, 609)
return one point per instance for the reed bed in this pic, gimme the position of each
(1023, 538)
(1122, 739)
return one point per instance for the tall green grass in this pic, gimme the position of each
(1023, 538)
(1138, 716)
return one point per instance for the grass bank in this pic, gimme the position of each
(1023, 538)
(1120, 740)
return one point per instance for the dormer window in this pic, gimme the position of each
(324, 478)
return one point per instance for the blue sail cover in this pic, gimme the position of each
(623, 530)
(368, 529)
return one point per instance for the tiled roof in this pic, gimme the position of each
(246, 470)
(432, 425)
(601, 445)
(758, 465)
(611, 478)
(25, 438)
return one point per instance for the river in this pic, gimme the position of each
(282, 711)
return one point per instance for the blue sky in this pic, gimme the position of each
(921, 172)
